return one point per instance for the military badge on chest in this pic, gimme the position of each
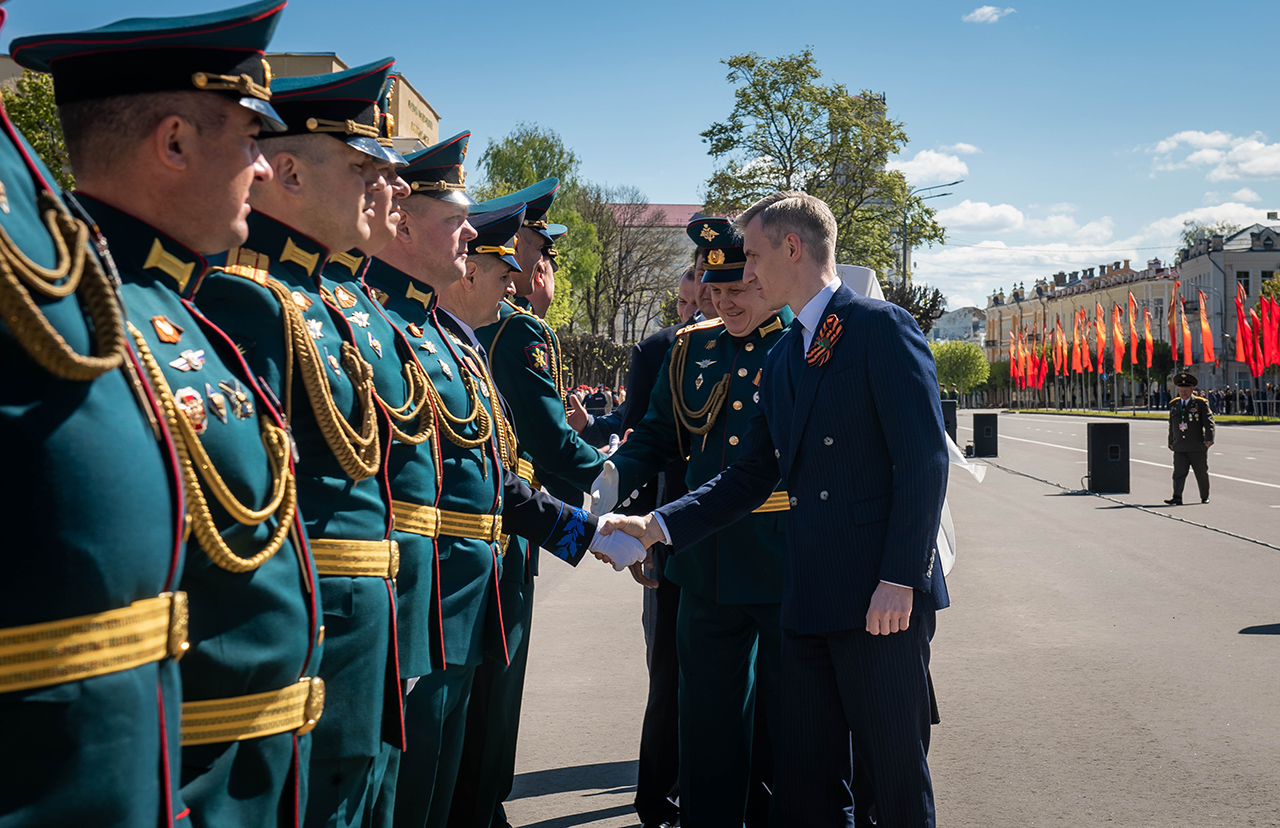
(191, 404)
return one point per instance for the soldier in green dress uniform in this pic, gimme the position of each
(1191, 433)
(93, 521)
(185, 120)
(296, 336)
(729, 636)
(524, 358)
(462, 521)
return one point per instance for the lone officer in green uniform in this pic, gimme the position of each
(729, 636)
(524, 358)
(476, 500)
(185, 120)
(1191, 432)
(83, 437)
(296, 336)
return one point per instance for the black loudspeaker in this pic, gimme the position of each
(986, 435)
(1109, 458)
(949, 417)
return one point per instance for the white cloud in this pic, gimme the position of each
(1244, 195)
(1061, 226)
(962, 148)
(1168, 229)
(1229, 157)
(1063, 207)
(986, 14)
(982, 217)
(930, 167)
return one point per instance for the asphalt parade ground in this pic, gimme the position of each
(1101, 664)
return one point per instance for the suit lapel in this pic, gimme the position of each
(807, 377)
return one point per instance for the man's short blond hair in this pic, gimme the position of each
(808, 217)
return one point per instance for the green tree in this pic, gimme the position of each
(924, 303)
(960, 363)
(1195, 231)
(527, 155)
(31, 108)
(787, 131)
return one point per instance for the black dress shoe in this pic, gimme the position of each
(1174, 501)
(657, 825)
(1204, 500)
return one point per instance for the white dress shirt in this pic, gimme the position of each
(811, 315)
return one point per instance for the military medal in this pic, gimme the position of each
(333, 363)
(241, 405)
(216, 401)
(379, 296)
(375, 345)
(344, 298)
(706, 363)
(448, 372)
(711, 346)
(1182, 426)
(166, 330)
(4, 200)
(360, 319)
(189, 361)
(428, 346)
(301, 299)
(415, 331)
(327, 296)
(697, 383)
(316, 327)
(191, 405)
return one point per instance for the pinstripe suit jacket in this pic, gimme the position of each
(858, 442)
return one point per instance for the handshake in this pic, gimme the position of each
(621, 540)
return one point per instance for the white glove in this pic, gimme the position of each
(604, 490)
(618, 547)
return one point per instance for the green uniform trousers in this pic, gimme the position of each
(493, 722)
(1185, 461)
(435, 717)
(730, 655)
(344, 793)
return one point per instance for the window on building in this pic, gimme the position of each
(1264, 275)
(1242, 278)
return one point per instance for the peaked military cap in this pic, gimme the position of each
(341, 104)
(555, 231)
(1185, 379)
(497, 232)
(725, 259)
(218, 52)
(387, 121)
(437, 170)
(537, 199)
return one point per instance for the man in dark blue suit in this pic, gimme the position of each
(849, 420)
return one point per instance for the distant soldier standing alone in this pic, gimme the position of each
(1190, 435)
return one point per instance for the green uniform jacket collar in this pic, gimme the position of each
(394, 282)
(286, 247)
(139, 248)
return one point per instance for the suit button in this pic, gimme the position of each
(750, 346)
(792, 500)
(777, 454)
(737, 405)
(733, 441)
(756, 396)
(822, 495)
(826, 441)
(742, 372)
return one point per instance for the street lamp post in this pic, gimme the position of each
(906, 210)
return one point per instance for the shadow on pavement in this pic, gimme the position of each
(602, 775)
(582, 819)
(1262, 629)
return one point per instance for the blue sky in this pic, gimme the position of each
(1085, 131)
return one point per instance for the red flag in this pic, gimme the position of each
(1133, 333)
(1100, 331)
(1117, 339)
(1255, 349)
(1022, 357)
(1275, 329)
(1187, 357)
(1206, 335)
(1077, 365)
(1146, 323)
(1085, 349)
(1057, 345)
(1242, 327)
(1013, 359)
(1268, 331)
(1173, 319)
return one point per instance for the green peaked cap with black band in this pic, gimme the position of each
(723, 246)
(341, 104)
(537, 199)
(437, 170)
(221, 52)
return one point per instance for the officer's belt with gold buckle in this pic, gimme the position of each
(354, 559)
(296, 708)
(434, 523)
(73, 649)
(777, 502)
